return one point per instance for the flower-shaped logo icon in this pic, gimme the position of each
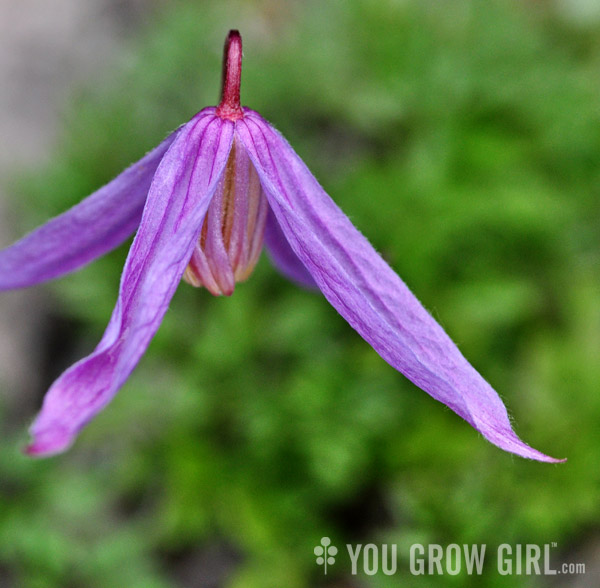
(325, 553)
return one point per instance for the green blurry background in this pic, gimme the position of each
(463, 138)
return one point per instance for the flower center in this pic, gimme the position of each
(231, 237)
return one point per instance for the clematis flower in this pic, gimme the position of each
(203, 202)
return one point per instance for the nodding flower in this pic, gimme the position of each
(203, 203)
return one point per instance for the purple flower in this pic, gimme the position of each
(202, 203)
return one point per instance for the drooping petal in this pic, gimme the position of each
(366, 291)
(283, 257)
(183, 186)
(86, 231)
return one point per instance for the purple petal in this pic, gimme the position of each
(181, 190)
(367, 293)
(88, 230)
(283, 257)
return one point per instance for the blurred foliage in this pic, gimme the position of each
(462, 138)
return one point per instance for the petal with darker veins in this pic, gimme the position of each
(361, 286)
(183, 186)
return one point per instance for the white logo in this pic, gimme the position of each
(453, 559)
(325, 553)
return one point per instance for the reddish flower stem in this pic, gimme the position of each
(230, 107)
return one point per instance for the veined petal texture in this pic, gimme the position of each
(367, 292)
(99, 223)
(179, 196)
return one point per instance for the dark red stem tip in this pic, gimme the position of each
(230, 106)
